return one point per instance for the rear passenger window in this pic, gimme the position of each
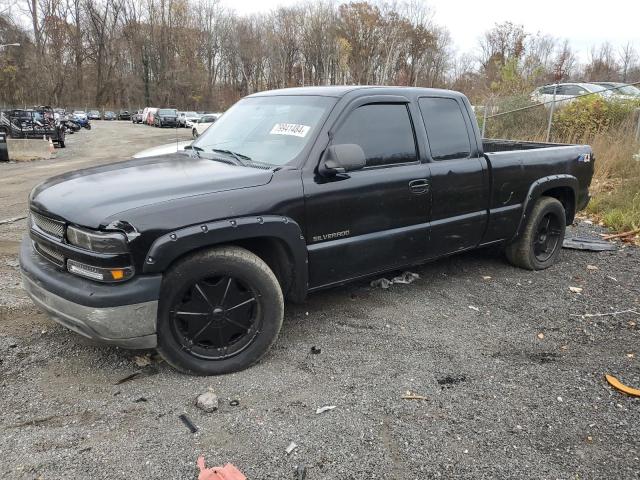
(446, 129)
(384, 132)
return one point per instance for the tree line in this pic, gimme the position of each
(196, 54)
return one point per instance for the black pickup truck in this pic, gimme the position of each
(291, 191)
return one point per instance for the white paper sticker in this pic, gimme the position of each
(290, 129)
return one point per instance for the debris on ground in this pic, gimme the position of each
(140, 400)
(413, 396)
(618, 385)
(449, 381)
(607, 314)
(592, 267)
(324, 409)
(128, 377)
(188, 423)
(234, 403)
(291, 447)
(207, 401)
(585, 243)
(576, 289)
(300, 472)
(12, 263)
(12, 220)
(541, 336)
(404, 279)
(476, 309)
(228, 472)
(142, 360)
(486, 277)
(622, 235)
(143, 372)
(315, 350)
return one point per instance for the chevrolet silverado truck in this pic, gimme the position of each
(289, 192)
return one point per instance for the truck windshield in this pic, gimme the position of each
(267, 130)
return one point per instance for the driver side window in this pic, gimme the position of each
(383, 131)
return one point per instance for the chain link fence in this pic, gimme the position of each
(561, 119)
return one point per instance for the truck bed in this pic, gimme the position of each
(492, 145)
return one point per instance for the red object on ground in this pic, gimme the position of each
(228, 472)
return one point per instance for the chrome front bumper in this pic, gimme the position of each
(128, 326)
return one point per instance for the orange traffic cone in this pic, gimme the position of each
(52, 149)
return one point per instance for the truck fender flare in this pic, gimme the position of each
(172, 245)
(538, 188)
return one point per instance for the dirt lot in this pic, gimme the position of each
(511, 371)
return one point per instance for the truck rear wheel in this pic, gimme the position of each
(539, 245)
(220, 311)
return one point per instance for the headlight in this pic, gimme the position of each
(101, 242)
(98, 273)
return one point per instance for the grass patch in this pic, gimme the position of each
(618, 208)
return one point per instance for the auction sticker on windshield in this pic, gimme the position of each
(290, 129)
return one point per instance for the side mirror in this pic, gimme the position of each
(341, 159)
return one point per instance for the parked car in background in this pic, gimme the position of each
(34, 123)
(188, 119)
(151, 114)
(124, 115)
(204, 122)
(166, 117)
(136, 117)
(110, 116)
(566, 92)
(94, 115)
(630, 92)
(79, 117)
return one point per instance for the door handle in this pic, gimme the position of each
(419, 186)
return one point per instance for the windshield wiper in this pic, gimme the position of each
(194, 148)
(238, 156)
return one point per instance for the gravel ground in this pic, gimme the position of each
(513, 375)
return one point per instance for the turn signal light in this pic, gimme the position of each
(99, 274)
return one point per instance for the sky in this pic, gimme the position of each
(583, 22)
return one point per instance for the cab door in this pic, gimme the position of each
(372, 219)
(459, 177)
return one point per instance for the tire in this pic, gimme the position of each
(203, 287)
(541, 241)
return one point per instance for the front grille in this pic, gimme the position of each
(49, 254)
(48, 225)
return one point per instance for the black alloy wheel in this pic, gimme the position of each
(220, 310)
(547, 236)
(538, 246)
(216, 317)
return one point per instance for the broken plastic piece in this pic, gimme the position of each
(585, 243)
(405, 279)
(292, 446)
(188, 423)
(301, 472)
(618, 385)
(228, 472)
(324, 409)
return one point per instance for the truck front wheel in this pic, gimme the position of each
(539, 245)
(220, 311)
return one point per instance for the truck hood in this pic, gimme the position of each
(89, 197)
